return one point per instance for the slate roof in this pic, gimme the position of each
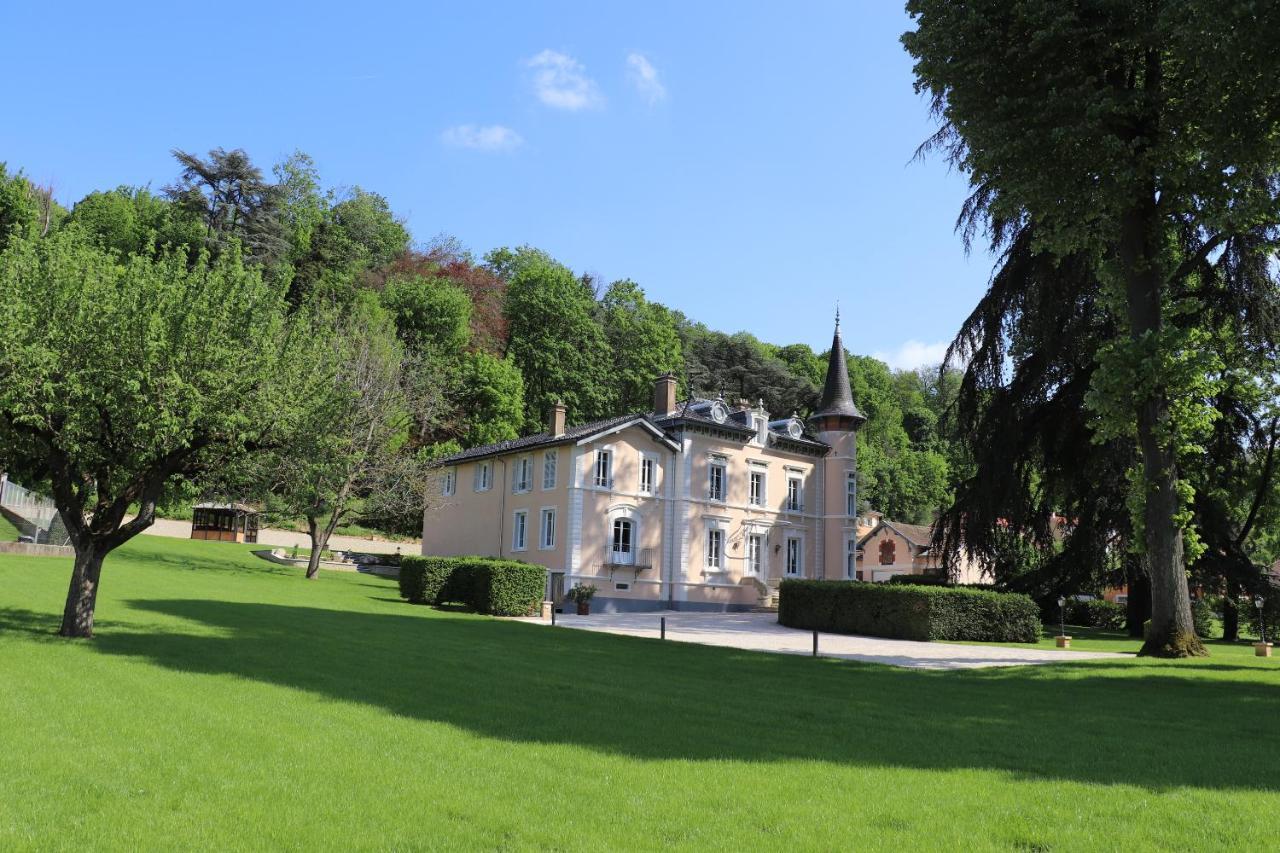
(837, 399)
(542, 439)
(695, 411)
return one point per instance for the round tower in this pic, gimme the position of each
(836, 422)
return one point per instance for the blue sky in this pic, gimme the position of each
(746, 163)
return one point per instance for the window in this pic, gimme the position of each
(484, 477)
(622, 586)
(647, 469)
(757, 490)
(604, 469)
(888, 553)
(450, 482)
(520, 530)
(758, 424)
(715, 549)
(547, 529)
(795, 494)
(851, 559)
(795, 557)
(715, 481)
(623, 533)
(755, 554)
(851, 494)
(549, 460)
(522, 478)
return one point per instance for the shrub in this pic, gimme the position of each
(908, 612)
(512, 588)
(499, 587)
(919, 580)
(1095, 613)
(1202, 617)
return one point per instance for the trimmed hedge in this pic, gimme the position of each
(908, 612)
(1095, 613)
(498, 587)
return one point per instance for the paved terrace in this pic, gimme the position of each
(761, 632)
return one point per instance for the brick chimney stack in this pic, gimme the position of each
(664, 395)
(556, 427)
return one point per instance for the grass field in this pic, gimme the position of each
(8, 533)
(226, 703)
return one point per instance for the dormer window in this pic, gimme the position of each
(718, 412)
(795, 429)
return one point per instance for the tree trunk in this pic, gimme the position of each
(82, 596)
(1138, 607)
(1230, 614)
(1172, 630)
(319, 540)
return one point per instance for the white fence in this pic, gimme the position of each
(38, 515)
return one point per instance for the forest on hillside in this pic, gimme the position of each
(494, 339)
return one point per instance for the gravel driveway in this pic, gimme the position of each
(761, 632)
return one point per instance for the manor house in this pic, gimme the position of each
(696, 505)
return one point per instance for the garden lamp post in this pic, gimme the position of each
(1062, 640)
(1261, 648)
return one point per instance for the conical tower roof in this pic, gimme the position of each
(837, 399)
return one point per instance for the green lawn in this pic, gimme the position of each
(227, 703)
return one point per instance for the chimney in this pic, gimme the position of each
(664, 395)
(556, 427)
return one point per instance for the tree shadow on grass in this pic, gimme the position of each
(647, 699)
(33, 625)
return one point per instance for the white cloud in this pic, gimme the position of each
(644, 77)
(913, 354)
(560, 81)
(493, 137)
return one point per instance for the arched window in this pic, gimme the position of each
(887, 553)
(623, 551)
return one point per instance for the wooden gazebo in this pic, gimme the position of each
(231, 522)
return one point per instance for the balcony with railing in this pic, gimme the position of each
(635, 560)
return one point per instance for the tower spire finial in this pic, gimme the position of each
(837, 313)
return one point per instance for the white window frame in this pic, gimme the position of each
(761, 495)
(483, 481)
(757, 554)
(851, 494)
(520, 530)
(795, 549)
(630, 558)
(760, 424)
(603, 479)
(714, 466)
(547, 542)
(795, 497)
(550, 466)
(714, 557)
(851, 559)
(450, 487)
(522, 480)
(648, 462)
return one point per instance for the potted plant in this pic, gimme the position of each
(582, 595)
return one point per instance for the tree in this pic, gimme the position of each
(229, 197)
(1117, 132)
(643, 340)
(489, 399)
(343, 453)
(556, 341)
(126, 376)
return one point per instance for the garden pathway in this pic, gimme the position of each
(761, 632)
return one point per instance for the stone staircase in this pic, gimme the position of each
(766, 595)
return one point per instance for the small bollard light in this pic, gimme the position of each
(553, 616)
(663, 630)
(815, 644)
